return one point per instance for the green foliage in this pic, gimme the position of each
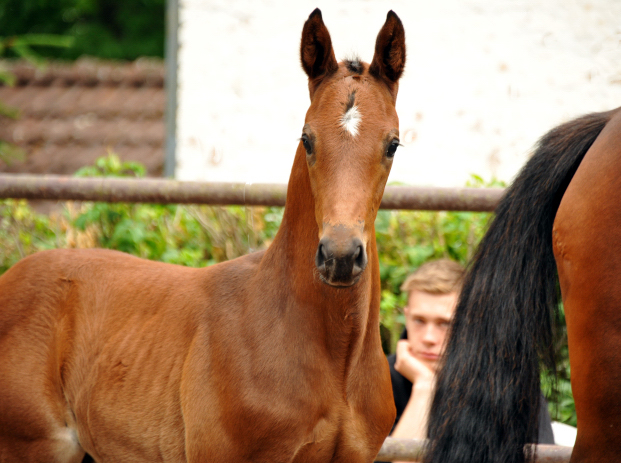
(22, 46)
(112, 166)
(407, 239)
(109, 29)
(24, 232)
(8, 111)
(10, 152)
(186, 235)
(556, 384)
(201, 235)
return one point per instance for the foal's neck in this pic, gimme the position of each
(344, 314)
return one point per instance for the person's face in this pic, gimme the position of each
(427, 318)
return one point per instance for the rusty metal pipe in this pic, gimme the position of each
(52, 187)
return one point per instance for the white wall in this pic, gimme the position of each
(484, 80)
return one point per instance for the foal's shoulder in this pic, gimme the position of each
(243, 265)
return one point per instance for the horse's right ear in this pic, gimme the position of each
(389, 58)
(316, 51)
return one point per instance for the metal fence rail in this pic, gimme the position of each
(414, 449)
(162, 191)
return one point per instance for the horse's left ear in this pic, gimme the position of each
(316, 51)
(389, 58)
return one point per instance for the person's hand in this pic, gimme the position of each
(416, 371)
(413, 422)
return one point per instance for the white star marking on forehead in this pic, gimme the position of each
(351, 120)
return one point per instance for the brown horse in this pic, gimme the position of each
(272, 357)
(561, 215)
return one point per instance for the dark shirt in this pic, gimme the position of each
(402, 390)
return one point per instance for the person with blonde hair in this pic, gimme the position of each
(433, 291)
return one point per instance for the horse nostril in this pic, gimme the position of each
(360, 260)
(359, 257)
(340, 261)
(321, 256)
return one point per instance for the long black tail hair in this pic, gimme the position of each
(487, 399)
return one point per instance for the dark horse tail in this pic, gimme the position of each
(486, 406)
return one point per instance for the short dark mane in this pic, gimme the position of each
(354, 65)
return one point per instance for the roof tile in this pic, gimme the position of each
(71, 114)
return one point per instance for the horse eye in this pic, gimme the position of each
(392, 148)
(307, 144)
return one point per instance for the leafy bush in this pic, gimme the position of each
(21, 46)
(187, 235)
(556, 384)
(23, 232)
(407, 239)
(107, 29)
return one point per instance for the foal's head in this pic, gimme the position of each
(350, 136)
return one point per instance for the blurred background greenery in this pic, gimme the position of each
(38, 30)
(108, 29)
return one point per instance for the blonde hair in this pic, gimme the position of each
(442, 276)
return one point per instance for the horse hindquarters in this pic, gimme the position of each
(33, 418)
(486, 405)
(587, 231)
(89, 342)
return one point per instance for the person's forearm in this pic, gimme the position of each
(413, 421)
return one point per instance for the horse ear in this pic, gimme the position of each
(389, 58)
(316, 51)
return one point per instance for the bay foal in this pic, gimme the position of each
(272, 357)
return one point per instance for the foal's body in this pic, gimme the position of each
(125, 376)
(272, 357)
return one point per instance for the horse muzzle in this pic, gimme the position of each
(341, 257)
